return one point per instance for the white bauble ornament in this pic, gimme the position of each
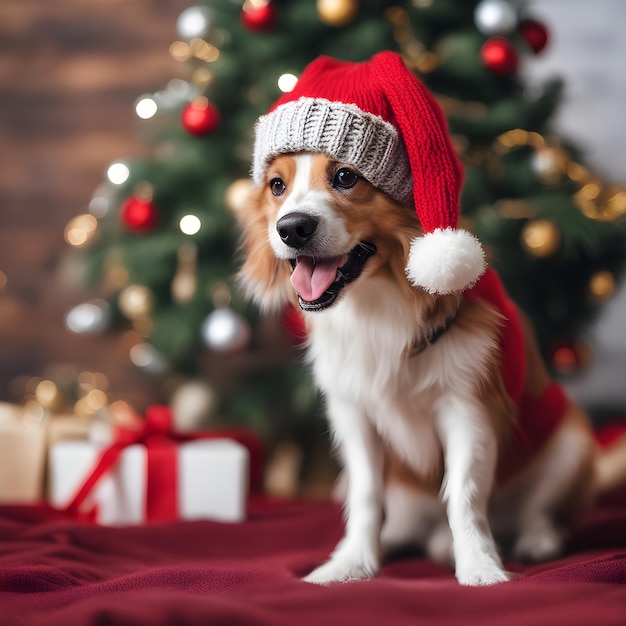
(89, 318)
(495, 17)
(224, 330)
(194, 22)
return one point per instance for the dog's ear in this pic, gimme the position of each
(263, 277)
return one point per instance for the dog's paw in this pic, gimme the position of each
(481, 576)
(341, 570)
(542, 542)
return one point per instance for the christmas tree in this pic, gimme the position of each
(160, 239)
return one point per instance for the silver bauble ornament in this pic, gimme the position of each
(194, 22)
(495, 17)
(89, 318)
(224, 330)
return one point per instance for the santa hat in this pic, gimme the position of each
(379, 118)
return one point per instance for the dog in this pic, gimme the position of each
(425, 412)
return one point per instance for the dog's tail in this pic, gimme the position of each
(611, 463)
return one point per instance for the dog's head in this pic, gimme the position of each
(314, 227)
(356, 153)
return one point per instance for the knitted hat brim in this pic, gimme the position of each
(342, 131)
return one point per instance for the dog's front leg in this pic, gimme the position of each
(470, 453)
(357, 556)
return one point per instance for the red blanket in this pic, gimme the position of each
(57, 571)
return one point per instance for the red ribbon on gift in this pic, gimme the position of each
(162, 443)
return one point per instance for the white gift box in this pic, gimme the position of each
(212, 480)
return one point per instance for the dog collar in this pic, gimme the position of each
(424, 342)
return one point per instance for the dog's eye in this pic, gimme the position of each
(277, 186)
(345, 179)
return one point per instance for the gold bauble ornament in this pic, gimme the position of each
(337, 13)
(237, 195)
(541, 238)
(135, 301)
(602, 285)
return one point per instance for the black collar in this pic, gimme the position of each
(420, 345)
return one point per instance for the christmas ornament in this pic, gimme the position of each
(495, 17)
(535, 33)
(139, 214)
(499, 56)
(541, 238)
(602, 285)
(238, 194)
(200, 117)
(135, 301)
(337, 13)
(194, 22)
(89, 317)
(566, 357)
(147, 358)
(258, 15)
(224, 330)
(193, 405)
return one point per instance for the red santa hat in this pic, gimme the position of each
(379, 118)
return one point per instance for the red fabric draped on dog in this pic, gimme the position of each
(537, 418)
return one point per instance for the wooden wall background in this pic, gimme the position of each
(70, 71)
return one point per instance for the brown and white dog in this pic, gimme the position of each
(412, 419)
(447, 423)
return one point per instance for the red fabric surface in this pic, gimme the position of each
(57, 571)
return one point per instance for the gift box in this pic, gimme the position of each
(154, 474)
(22, 455)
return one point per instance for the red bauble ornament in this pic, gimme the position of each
(499, 56)
(257, 16)
(200, 117)
(568, 357)
(138, 214)
(535, 33)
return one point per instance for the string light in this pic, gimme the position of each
(146, 107)
(190, 224)
(180, 51)
(287, 82)
(202, 77)
(203, 50)
(80, 230)
(118, 173)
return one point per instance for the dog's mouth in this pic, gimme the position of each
(319, 281)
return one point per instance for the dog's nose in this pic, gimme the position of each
(296, 229)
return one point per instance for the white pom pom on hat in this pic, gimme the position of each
(378, 117)
(445, 261)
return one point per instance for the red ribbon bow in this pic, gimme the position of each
(162, 443)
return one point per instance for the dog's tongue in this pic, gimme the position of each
(312, 277)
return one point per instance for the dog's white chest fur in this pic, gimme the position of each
(358, 351)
